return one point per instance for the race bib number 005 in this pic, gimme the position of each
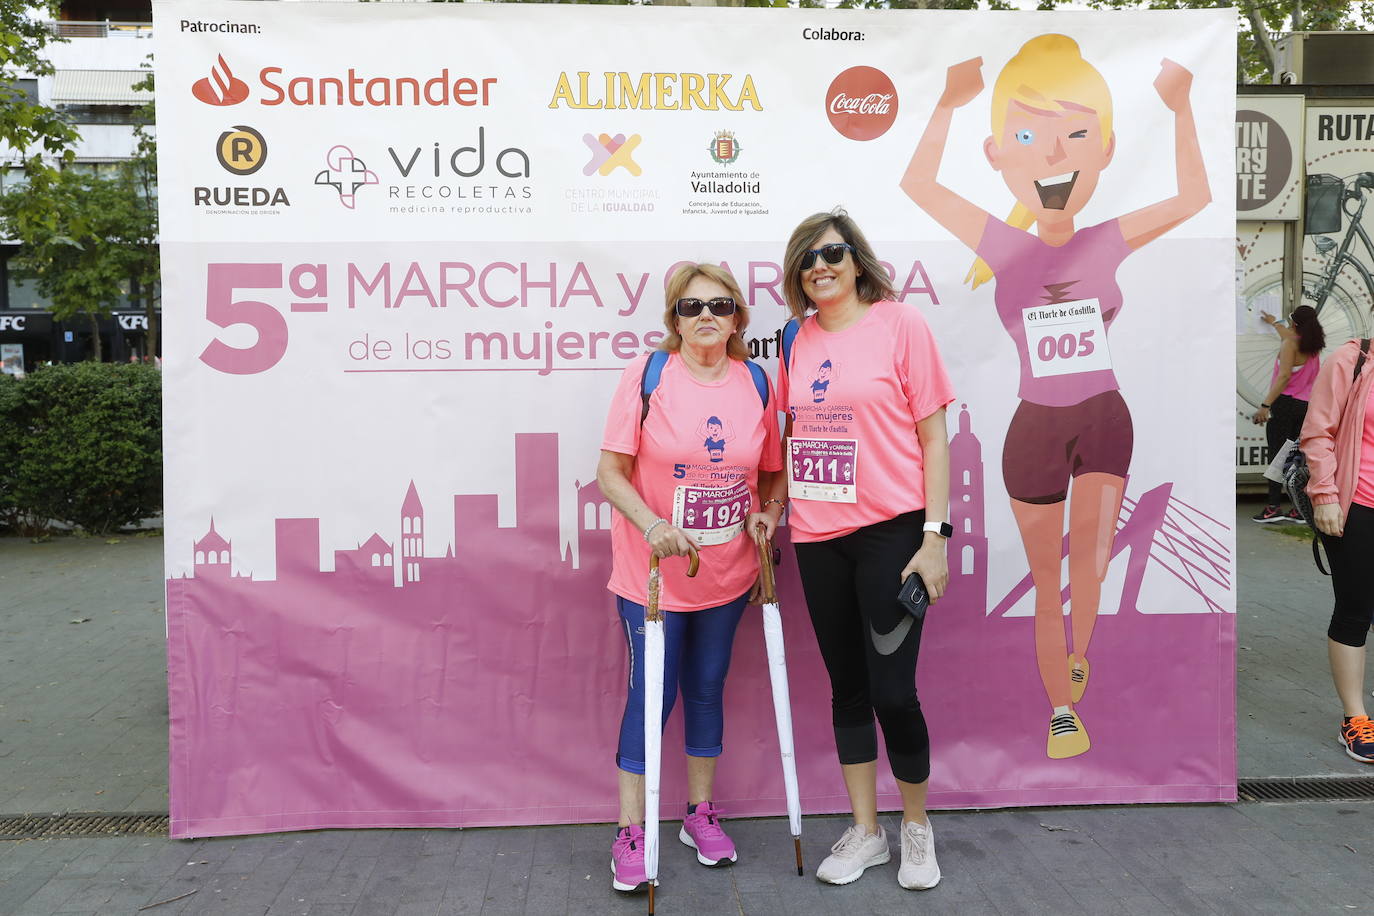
(712, 515)
(1065, 338)
(823, 469)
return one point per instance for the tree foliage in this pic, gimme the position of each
(86, 448)
(84, 237)
(32, 129)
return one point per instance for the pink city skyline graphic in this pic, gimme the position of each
(397, 688)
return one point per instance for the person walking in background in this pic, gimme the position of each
(1285, 405)
(1338, 440)
(868, 462)
(672, 497)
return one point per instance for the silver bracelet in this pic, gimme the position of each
(648, 531)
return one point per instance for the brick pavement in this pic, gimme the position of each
(83, 727)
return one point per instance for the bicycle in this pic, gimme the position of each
(1343, 314)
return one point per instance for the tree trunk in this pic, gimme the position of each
(1260, 36)
(97, 353)
(150, 309)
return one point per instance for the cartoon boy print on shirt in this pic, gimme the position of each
(717, 433)
(821, 384)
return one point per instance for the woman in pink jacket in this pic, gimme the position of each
(1338, 440)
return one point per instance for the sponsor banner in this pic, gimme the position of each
(413, 278)
(1269, 135)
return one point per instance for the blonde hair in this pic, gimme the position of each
(870, 285)
(735, 347)
(1048, 71)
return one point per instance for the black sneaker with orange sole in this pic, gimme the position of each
(1357, 736)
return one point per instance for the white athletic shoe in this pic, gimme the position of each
(857, 850)
(919, 871)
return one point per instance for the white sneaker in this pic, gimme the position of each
(856, 851)
(919, 871)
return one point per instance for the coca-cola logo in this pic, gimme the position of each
(861, 103)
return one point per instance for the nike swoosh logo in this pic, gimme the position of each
(887, 643)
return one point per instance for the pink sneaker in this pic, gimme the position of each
(627, 859)
(702, 832)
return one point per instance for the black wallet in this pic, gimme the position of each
(913, 596)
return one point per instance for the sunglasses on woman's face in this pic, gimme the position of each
(723, 307)
(833, 254)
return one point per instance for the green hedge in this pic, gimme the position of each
(81, 444)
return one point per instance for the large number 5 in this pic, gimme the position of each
(222, 310)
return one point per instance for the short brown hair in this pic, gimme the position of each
(871, 283)
(735, 347)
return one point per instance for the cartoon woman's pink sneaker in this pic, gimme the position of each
(701, 830)
(627, 860)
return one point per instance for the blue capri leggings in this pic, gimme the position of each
(696, 655)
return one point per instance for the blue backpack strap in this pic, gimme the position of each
(789, 334)
(760, 380)
(653, 372)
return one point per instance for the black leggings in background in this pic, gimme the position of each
(1352, 577)
(869, 643)
(1285, 422)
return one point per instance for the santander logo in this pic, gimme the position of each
(861, 103)
(221, 87)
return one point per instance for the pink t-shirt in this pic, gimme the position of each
(1057, 303)
(855, 397)
(697, 462)
(1300, 382)
(1364, 486)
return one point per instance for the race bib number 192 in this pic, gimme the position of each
(712, 515)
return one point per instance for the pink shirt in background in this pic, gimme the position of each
(680, 446)
(1333, 437)
(864, 389)
(1364, 485)
(1300, 382)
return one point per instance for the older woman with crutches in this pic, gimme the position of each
(679, 493)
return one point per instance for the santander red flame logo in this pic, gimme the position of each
(861, 103)
(221, 87)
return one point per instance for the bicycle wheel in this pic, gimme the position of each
(1341, 315)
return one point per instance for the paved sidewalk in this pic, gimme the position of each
(83, 727)
(1283, 859)
(83, 675)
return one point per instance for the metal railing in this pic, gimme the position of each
(67, 28)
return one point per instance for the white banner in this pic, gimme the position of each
(407, 251)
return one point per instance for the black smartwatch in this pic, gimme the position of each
(943, 529)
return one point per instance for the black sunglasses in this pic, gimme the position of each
(833, 254)
(691, 308)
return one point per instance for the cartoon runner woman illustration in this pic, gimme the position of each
(716, 435)
(822, 383)
(1057, 295)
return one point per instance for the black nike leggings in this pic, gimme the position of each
(869, 643)
(1350, 577)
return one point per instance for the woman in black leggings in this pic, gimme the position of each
(1285, 406)
(867, 460)
(1338, 440)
